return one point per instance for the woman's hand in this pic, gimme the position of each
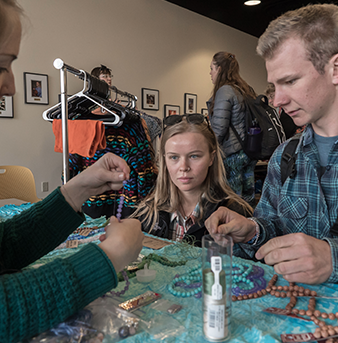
(122, 242)
(108, 173)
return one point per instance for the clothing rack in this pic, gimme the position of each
(95, 92)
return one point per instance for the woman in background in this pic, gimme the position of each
(226, 106)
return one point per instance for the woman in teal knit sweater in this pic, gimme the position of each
(34, 300)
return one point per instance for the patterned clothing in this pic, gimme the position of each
(130, 142)
(197, 230)
(229, 107)
(306, 203)
(240, 175)
(36, 299)
(180, 226)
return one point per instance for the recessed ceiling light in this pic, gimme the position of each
(252, 2)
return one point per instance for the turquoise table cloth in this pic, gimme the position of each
(248, 321)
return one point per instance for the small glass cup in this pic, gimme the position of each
(216, 271)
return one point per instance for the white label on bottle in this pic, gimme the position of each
(215, 323)
(216, 267)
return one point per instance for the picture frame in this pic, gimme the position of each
(36, 88)
(190, 103)
(150, 99)
(170, 110)
(204, 111)
(6, 107)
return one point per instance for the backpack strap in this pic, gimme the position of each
(237, 135)
(288, 161)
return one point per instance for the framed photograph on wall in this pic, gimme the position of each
(36, 88)
(190, 103)
(6, 107)
(170, 110)
(204, 111)
(150, 99)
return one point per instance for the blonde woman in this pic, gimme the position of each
(191, 183)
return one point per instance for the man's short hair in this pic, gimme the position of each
(315, 25)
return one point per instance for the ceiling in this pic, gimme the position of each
(249, 19)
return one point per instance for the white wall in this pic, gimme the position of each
(147, 43)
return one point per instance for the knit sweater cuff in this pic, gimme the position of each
(95, 272)
(57, 209)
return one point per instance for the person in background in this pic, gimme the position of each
(294, 226)
(33, 300)
(191, 183)
(103, 73)
(226, 106)
(290, 128)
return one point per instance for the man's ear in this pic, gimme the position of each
(334, 63)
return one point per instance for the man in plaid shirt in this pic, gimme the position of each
(291, 225)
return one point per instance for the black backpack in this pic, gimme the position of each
(264, 130)
(288, 161)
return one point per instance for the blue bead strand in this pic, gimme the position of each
(120, 207)
(245, 279)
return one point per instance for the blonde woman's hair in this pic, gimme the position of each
(166, 195)
(315, 25)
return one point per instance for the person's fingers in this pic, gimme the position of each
(214, 222)
(273, 246)
(116, 163)
(102, 237)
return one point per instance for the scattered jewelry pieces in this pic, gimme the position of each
(174, 308)
(130, 326)
(139, 301)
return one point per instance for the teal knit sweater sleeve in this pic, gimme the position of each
(34, 300)
(36, 231)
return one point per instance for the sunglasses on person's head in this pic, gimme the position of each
(193, 118)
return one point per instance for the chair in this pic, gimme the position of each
(17, 182)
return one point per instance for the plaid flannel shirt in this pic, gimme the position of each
(179, 227)
(306, 203)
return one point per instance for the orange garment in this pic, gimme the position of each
(85, 137)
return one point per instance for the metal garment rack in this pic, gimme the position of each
(64, 68)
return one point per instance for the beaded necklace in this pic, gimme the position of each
(245, 280)
(126, 275)
(120, 206)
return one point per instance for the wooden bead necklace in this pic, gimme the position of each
(293, 291)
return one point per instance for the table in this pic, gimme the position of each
(248, 322)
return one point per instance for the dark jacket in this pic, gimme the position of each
(229, 107)
(198, 230)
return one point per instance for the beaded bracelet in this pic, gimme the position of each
(254, 239)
